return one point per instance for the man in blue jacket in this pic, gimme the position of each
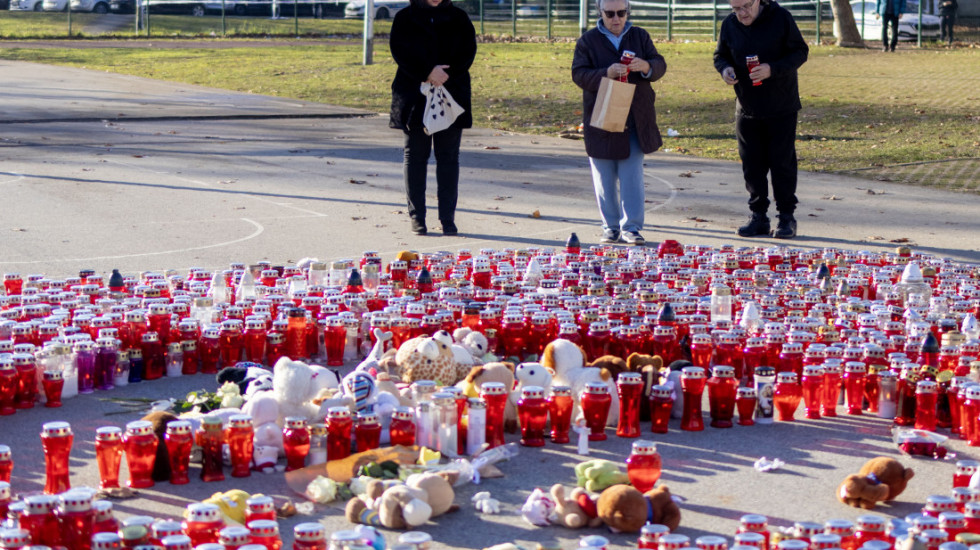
(767, 101)
(890, 11)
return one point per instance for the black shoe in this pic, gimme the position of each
(786, 228)
(634, 238)
(609, 236)
(758, 225)
(449, 228)
(418, 227)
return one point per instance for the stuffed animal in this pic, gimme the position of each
(370, 362)
(161, 465)
(596, 475)
(264, 410)
(568, 512)
(426, 358)
(880, 479)
(386, 384)
(473, 342)
(250, 377)
(625, 510)
(463, 359)
(232, 505)
(528, 374)
(403, 505)
(612, 363)
(492, 372)
(567, 360)
(538, 508)
(649, 367)
(293, 388)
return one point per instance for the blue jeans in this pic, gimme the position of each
(622, 206)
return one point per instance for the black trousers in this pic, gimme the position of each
(887, 20)
(418, 147)
(946, 24)
(768, 146)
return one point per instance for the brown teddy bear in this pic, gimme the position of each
(880, 479)
(612, 363)
(398, 505)
(625, 510)
(649, 367)
(568, 512)
(161, 465)
(493, 372)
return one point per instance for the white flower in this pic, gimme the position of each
(322, 490)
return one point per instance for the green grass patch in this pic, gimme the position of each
(864, 111)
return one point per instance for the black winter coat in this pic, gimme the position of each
(421, 38)
(594, 53)
(776, 39)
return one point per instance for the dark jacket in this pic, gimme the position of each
(421, 38)
(594, 53)
(776, 39)
(890, 7)
(947, 7)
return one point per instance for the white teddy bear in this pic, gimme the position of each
(567, 360)
(531, 374)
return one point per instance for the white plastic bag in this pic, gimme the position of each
(441, 109)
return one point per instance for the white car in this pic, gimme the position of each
(94, 6)
(27, 5)
(383, 9)
(55, 5)
(907, 24)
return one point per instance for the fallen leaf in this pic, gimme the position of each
(831, 198)
(356, 218)
(900, 240)
(491, 147)
(698, 220)
(137, 156)
(502, 198)
(536, 214)
(20, 229)
(688, 174)
(876, 238)
(812, 215)
(356, 182)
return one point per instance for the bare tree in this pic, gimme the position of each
(845, 28)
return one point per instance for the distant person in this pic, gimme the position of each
(947, 16)
(890, 12)
(767, 99)
(619, 155)
(431, 41)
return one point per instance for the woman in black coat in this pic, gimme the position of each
(431, 41)
(619, 155)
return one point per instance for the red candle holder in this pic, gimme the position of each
(8, 386)
(40, 520)
(266, 533)
(595, 403)
(650, 535)
(925, 405)
(203, 523)
(854, 385)
(154, 366)
(27, 380)
(787, 396)
(964, 471)
(335, 339)
(240, 435)
(53, 382)
(108, 456)
(309, 536)
(755, 524)
(644, 465)
(209, 350)
(746, 401)
(160, 530)
(367, 431)
(296, 334)
(77, 519)
(872, 389)
(560, 404)
(870, 527)
(831, 387)
(296, 442)
(6, 463)
(401, 429)
(661, 404)
(140, 443)
(495, 395)
(233, 538)
(532, 410)
(813, 390)
(105, 521)
(629, 385)
(722, 387)
(179, 439)
(339, 428)
(692, 385)
(211, 439)
(259, 507)
(56, 440)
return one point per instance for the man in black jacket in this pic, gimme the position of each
(763, 34)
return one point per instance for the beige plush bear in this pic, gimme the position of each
(426, 358)
(403, 505)
(568, 512)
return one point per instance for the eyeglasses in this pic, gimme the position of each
(743, 8)
(620, 14)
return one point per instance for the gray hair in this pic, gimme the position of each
(598, 5)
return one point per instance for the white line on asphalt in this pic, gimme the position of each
(258, 231)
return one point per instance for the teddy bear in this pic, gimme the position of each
(293, 388)
(475, 343)
(373, 357)
(538, 507)
(626, 510)
(264, 410)
(649, 367)
(528, 374)
(250, 377)
(398, 505)
(492, 372)
(879, 479)
(568, 511)
(463, 358)
(426, 358)
(232, 505)
(596, 475)
(613, 363)
(567, 360)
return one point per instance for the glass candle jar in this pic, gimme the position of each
(560, 404)
(179, 439)
(532, 412)
(56, 440)
(650, 535)
(27, 380)
(266, 533)
(6, 463)
(812, 386)
(318, 444)
(925, 405)
(309, 536)
(234, 537)
(401, 429)
(40, 520)
(154, 366)
(106, 541)
(961, 477)
(105, 520)
(209, 350)
(203, 523)
(754, 523)
(629, 386)
(339, 428)
(210, 438)
(160, 530)
(643, 467)
(692, 384)
(8, 386)
(240, 436)
(869, 527)
(937, 504)
(367, 431)
(831, 383)
(722, 388)
(765, 380)
(476, 425)
(335, 338)
(259, 507)
(787, 396)
(296, 442)
(53, 382)
(887, 394)
(595, 402)
(746, 400)
(77, 518)
(140, 444)
(108, 456)
(495, 396)
(661, 404)
(854, 385)
(844, 529)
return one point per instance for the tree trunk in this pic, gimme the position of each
(845, 28)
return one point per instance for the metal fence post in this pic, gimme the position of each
(548, 7)
(714, 21)
(368, 32)
(69, 18)
(670, 19)
(513, 18)
(296, 17)
(819, 17)
(918, 39)
(224, 26)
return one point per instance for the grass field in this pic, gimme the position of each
(912, 116)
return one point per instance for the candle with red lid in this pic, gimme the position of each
(560, 404)
(595, 403)
(532, 412)
(179, 439)
(629, 385)
(722, 389)
(643, 467)
(56, 441)
(495, 395)
(339, 430)
(203, 523)
(693, 381)
(108, 455)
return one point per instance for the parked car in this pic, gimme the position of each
(383, 9)
(907, 24)
(177, 7)
(26, 5)
(54, 5)
(94, 6)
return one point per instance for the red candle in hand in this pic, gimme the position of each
(595, 402)
(643, 465)
(56, 440)
(630, 388)
(108, 455)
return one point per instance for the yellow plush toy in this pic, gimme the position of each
(232, 505)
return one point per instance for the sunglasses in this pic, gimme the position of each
(611, 14)
(743, 8)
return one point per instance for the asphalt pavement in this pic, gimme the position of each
(107, 171)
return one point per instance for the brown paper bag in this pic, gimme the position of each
(612, 105)
(343, 470)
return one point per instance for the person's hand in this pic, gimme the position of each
(760, 72)
(438, 76)
(638, 65)
(728, 75)
(616, 70)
